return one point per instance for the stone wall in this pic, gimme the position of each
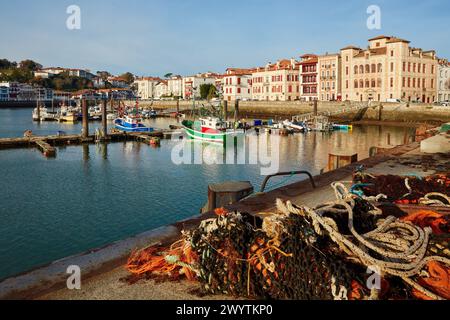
(402, 112)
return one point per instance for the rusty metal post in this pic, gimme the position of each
(84, 111)
(104, 123)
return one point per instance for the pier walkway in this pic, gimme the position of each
(46, 143)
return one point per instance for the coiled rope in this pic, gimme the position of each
(401, 245)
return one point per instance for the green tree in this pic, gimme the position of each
(128, 77)
(6, 64)
(30, 65)
(168, 75)
(207, 91)
(103, 75)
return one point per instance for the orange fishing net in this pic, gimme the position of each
(437, 282)
(425, 218)
(157, 261)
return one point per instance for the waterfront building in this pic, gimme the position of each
(146, 87)
(388, 69)
(329, 73)
(98, 82)
(443, 80)
(162, 89)
(51, 71)
(4, 93)
(191, 84)
(175, 86)
(15, 91)
(308, 77)
(219, 84)
(276, 81)
(237, 84)
(118, 82)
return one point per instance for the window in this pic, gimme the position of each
(418, 67)
(409, 66)
(373, 83)
(409, 82)
(392, 82)
(380, 67)
(238, 90)
(392, 53)
(414, 67)
(346, 70)
(374, 68)
(379, 83)
(404, 66)
(367, 68)
(432, 69)
(392, 67)
(238, 81)
(361, 69)
(414, 83)
(346, 84)
(361, 83)
(423, 83)
(367, 84)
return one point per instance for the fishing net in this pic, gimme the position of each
(432, 190)
(298, 252)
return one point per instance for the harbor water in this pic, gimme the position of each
(91, 195)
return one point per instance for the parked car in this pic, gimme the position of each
(393, 100)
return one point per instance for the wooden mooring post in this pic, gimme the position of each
(104, 122)
(236, 110)
(225, 110)
(85, 113)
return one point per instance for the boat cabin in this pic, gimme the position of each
(212, 125)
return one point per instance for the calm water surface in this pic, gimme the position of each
(91, 195)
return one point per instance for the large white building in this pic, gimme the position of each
(237, 84)
(161, 89)
(175, 86)
(191, 84)
(443, 81)
(146, 87)
(49, 72)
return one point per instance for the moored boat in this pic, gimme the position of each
(131, 124)
(209, 129)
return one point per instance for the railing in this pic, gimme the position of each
(291, 173)
(310, 116)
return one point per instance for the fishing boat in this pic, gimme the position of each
(131, 123)
(210, 129)
(67, 114)
(298, 126)
(343, 127)
(43, 114)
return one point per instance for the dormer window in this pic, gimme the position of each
(377, 44)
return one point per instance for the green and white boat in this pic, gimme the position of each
(210, 129)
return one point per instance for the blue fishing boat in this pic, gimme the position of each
(131, 124)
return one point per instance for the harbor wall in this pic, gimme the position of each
(396, 112)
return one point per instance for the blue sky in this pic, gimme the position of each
(154, 37)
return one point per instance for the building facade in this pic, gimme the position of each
(191, 84)
(276, 82)
(237, 84)
(52, 71)
(145, 87)
(308, 77)
(329, 81)
(175, 86)
(388, 70)
(161, 90)
(443, 81)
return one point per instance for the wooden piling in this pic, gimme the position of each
(236, 110)
(225, 110)
(104, 123)
(84, 110)
(315, 107)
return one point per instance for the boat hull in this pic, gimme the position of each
(118, 125)
(210, 137)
